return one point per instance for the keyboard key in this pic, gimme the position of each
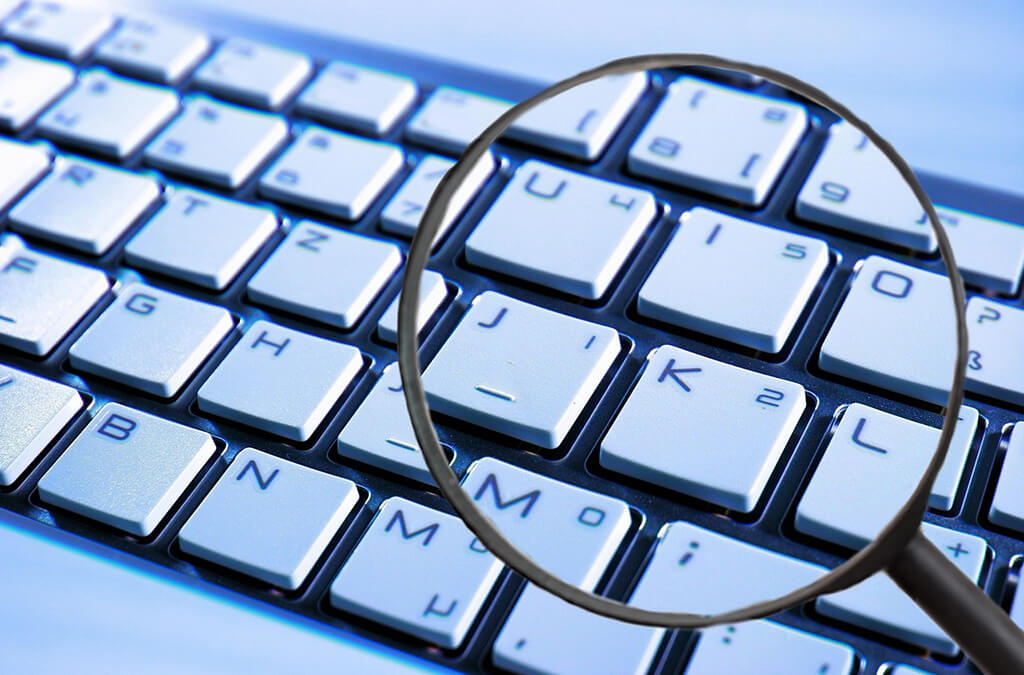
(151, 340)
(380, 433)
(84, 205)
(216, 142)
(519, 369)
(1008, 500)
(895, 330)
(280, 380)
(418, 571)
(325, 274)
(754, 281)
(989, 252)
(433, 293)
(994, 364)
(718, 140)
(898, 669)
(200, 238)
(362, 99)
(451, 118)
(331, 172)
(534, 230)
(20, 166)
(878, 604)
(163, 52)
(767, 647)
(127, 469)
(704, 428)
(581, 122)
(545, 634)
(109, 114)
(269, 518)
(254, 74)
(33, 411)
(41, 297)
(64, 31)
(29, 84)
(403, 213)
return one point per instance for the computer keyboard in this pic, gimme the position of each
(203, 239)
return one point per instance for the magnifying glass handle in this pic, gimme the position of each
(982, 629)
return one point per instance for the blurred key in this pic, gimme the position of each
(59, 30)
(41, 297)
(704, 279)
(20, 166)
(29, 84)
(280, 381)
(331, 172)
(418, 571)
(535, 230)
(357, 98)
(451, 118)
(203, 239)
(1007, 507)
(581, 122)
(33, 411)
(160, 51)
(253, 73)
(433, 293)
(325, 274)
(217, 143)
(151, 340)
(719, 140)
(84, 205)
(767, 647)
(109, 114)
(127, 469)
(269, 518)
(994, 364)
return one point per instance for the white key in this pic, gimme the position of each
(151, 340)
(84, 205)
(568, 530)
(730, 143)
(856, 188)
(254, 74)
(878, 604)
(519, 369)
(109, 114)
(325, 274)
(872, 464)
(127, 469)
(768, 648)
(203, 239)
(561, 229)
(358, 98)
(994, 364)
(280, 380)
(380, 433)
(33, 411)
(331, 172)
(29, 84)
(581, 122)
(418, 571)
(899, 669)
(546, 635)
(989, 252)
(703, 572)
(896, 330)
(163, 52)
(59, 30)
(20, 166)
(403, 213)
(734, 279)
(704, 428)
(433, 293)
(215, 142)
(1008, 500)
(269, 518)
(41, 297)
(451, 118)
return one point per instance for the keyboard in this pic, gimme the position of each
(202, 236)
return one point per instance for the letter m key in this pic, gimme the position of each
(491, 483)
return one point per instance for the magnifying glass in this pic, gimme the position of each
(532, 374)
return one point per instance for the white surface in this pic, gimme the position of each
(29, 84)
(450, 118)
(361, 98)
(20, 165)
(160, 51)
(989, 253)
(59, 29)
(767, 648)
(994, 364)
(254, 74)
